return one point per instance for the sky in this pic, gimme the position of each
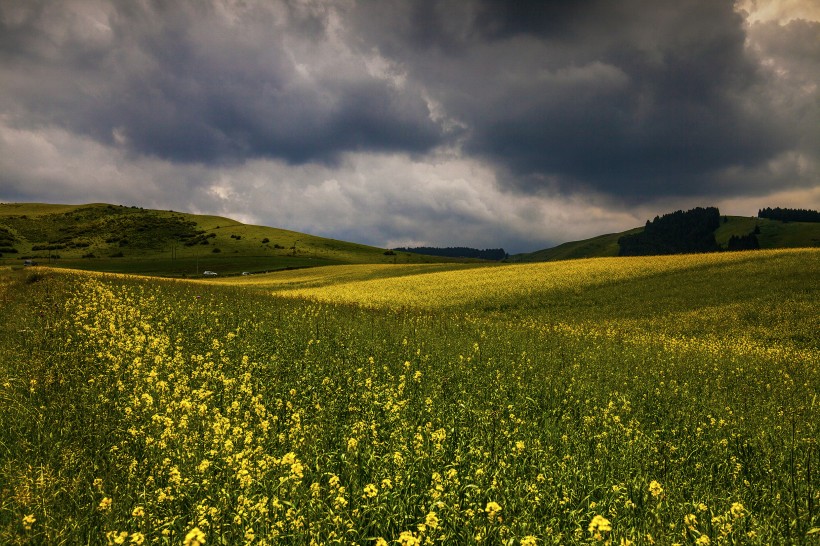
(481, 123)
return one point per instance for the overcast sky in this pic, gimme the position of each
(484, 123)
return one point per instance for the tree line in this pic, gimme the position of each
(789, 215)
(458, 252)
(678, 232)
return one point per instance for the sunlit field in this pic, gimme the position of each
(663, 400)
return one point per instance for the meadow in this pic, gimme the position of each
(661, 400)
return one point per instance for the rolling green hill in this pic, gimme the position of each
(124, 239)
(773, 234)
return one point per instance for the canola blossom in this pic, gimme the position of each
(622, 401)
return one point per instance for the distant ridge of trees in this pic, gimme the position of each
(458, 252)
(789, 215)
(675, 233)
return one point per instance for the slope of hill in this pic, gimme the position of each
(134, 240)
(602, 246)
(773, 234)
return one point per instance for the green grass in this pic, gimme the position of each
(129, 239)
(773, 233)
(601, 246)
(674, 397)
(222, 264)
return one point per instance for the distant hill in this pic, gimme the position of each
(117, 238)
(457, 252)
(773, 234)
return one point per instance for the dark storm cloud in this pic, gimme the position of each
(635, 98)
(179, 81)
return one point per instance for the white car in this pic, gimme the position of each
(209, 273)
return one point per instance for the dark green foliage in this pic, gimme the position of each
(216, 250)
(458, 252)
(48, 247)
(132, 227)
(744, 242)
(675, 233)
(199, 238)
(789, 215)
(7, 238)
(265, 240)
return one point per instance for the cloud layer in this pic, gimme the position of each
(475, 122)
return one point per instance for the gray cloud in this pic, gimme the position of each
(642, 99)
(189, 82)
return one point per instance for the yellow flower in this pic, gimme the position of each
(138, 512)
(370, 491)
(339, 502)
(690, 520)
(117, 538)
(28, 521)
(431, 520)
(381, 542)
(737, 510)
(352, 443)
(599, 525)
(195, 537)
(655, 488)
(529, 540)
(137, 538)
(492, 509)
(407, 538)
(703, 540)
(289, 458)
(105, 504)
(297, 470)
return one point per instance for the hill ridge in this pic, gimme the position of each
(130, 239)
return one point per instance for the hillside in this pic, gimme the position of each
(773, 234)
(602, 246)
(124, 239)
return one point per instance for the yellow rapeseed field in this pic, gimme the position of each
(665, 400)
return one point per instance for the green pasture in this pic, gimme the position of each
(124, 239)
